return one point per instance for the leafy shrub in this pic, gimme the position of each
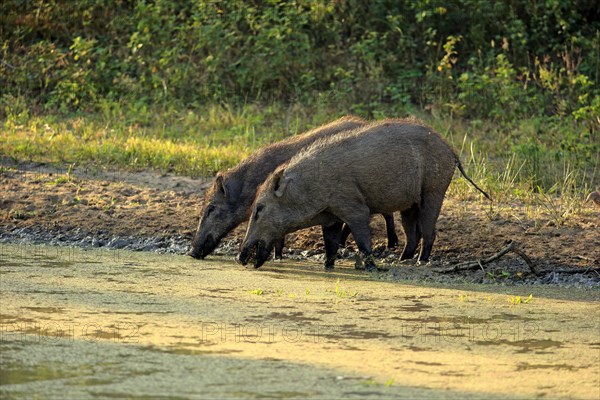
(472, 58)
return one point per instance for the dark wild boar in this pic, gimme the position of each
(393, 165)
(228, 201)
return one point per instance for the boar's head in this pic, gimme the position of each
(219, 216)
(279, 208)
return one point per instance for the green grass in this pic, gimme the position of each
(344, 293)
(516, 300)
(195, 143)
(59, 181)
(185, 143)
(550, 163)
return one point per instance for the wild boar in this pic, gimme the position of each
(393, 165)
(228, 201)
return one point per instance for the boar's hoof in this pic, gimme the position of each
(330, 262)
(371, 268)
(369, 261)
(358, 264)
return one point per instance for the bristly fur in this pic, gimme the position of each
(231, 204)
(341, 138)
(386, 166)
(253, 170)
(293, 144)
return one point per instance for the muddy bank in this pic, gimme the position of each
(159, 213)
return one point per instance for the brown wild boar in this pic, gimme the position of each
(228, 201)
(393, 165)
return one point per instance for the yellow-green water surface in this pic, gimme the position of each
(112, 324)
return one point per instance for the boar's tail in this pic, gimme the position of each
(462, 171)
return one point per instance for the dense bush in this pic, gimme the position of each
(473, 58)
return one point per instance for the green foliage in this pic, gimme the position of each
(495, 91)
(472, 58)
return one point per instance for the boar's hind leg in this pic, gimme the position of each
(331, 237)
(431, 204)
(279, 248)
(411, 231)
(390, 228)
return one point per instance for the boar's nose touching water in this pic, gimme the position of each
(383, 167)
(228, 202)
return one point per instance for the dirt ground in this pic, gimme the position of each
(104, 204)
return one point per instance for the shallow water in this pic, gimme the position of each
(106, 324)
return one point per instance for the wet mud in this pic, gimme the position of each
(145, 211)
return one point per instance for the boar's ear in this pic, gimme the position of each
(221, 187)
(281, 183)
(229, 187)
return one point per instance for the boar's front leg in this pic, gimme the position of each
(279, 243)
(362, 237)
(390, 228)
(331, 237)
(357, 217)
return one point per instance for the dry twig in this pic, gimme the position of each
(526, 258)
(469, 265)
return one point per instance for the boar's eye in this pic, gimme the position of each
(209, 210)
(259, 208)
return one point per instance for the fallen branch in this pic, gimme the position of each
(527, 260)
(469, 265)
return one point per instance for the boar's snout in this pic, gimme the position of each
(244, 256)
(202, 248)
(195, 254)
(259, 252)
(262, 254)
